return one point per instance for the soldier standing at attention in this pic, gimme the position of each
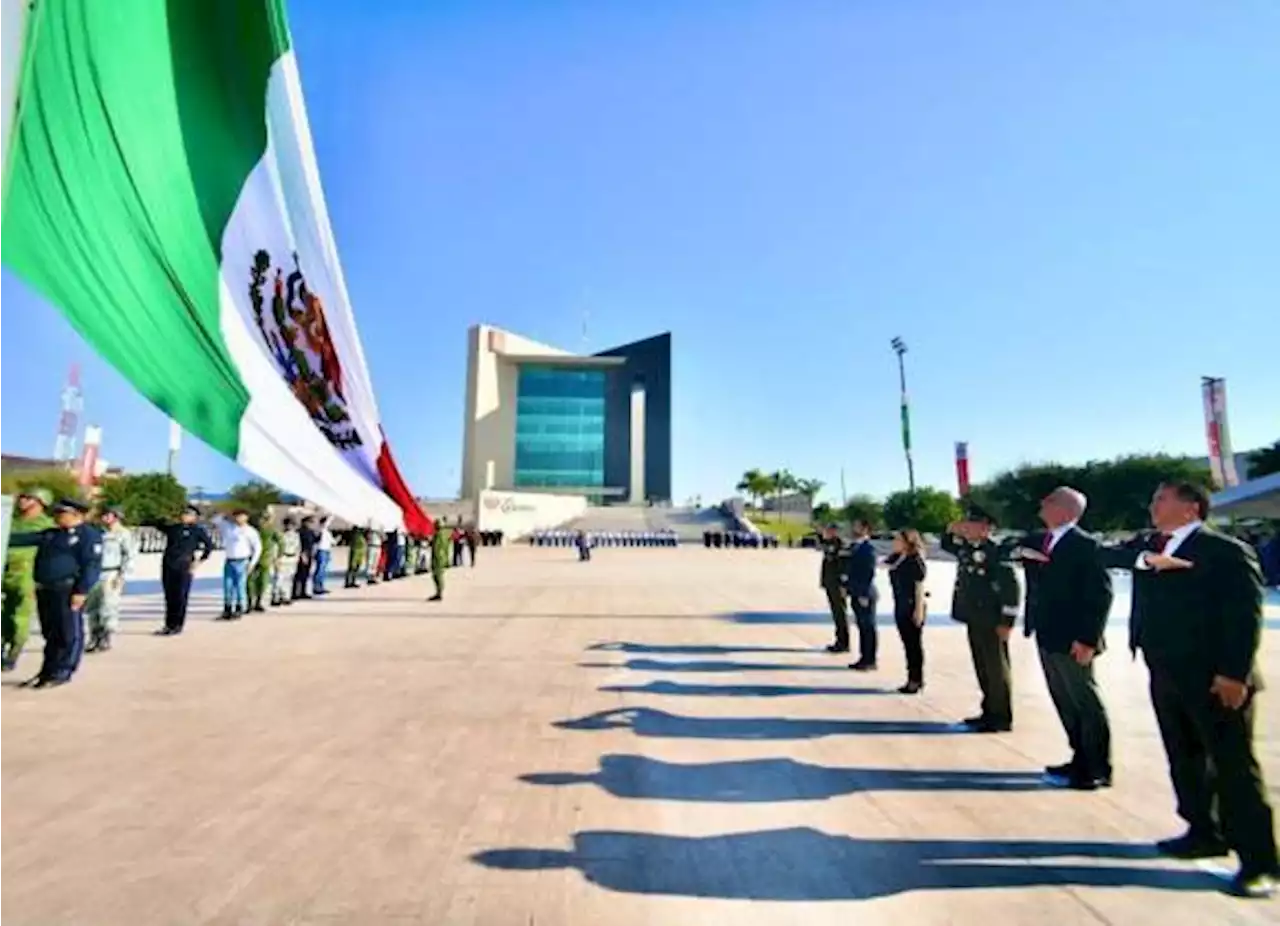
(68, 560)
(357, 549)
(286, 564)
(831, 579)
(182, 541)
(262, 575)
(373, 557)
(986, 602)
(19, 584)
(102, 606)
(439, 560)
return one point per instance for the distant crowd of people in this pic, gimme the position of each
(1196, 616)
(561, 537)
(738, 539)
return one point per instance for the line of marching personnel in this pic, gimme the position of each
(576, 538)
(1196, 617)
(73, 573)
(738, 539)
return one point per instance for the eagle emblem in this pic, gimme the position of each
(296, 334)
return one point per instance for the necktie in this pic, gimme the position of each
(1047, 546)
(1160, 541)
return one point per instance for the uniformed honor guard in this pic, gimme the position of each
(373, 559)
(286, 564)
(19, 579)
(102, 606)
(182, 542)
(262, 575)
(67, 565)
(986, 601)
(831, 579)
(357, 550)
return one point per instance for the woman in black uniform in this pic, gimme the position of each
(906, 575)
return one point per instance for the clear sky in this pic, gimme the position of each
(1069, 211)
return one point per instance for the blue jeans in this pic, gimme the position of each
(235, 590)
(322, 570)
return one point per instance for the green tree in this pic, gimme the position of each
(809, 488)
(144, 497)
(755, 484)
(864, 508)
(1264, 462)
(782, 482)
(823, 513)
(926, 509)
(254, 496)
(61, 482)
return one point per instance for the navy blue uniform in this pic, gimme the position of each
(182, 542)
(68, 563)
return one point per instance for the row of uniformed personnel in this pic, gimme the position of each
(738, 539)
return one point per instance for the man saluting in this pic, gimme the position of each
(1198, 622)
(67, 566)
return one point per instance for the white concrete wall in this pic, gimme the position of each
(637, 444)
(519, 513)
(489, 427)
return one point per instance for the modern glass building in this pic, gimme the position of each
(559, 428)
(539, 419)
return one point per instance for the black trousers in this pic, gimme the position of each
(300, 575)
(1076, 696)
(912, 644)
(176, 580)
(991, 664)
(868, 636)
(1215, 774)
(63, 631)
(839, 614)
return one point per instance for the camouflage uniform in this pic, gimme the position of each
(102, 604)
(263, 577)
(19, 589)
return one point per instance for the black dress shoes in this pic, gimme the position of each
(837, 648)
(1192, 845)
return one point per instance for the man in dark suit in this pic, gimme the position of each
(1198, 621)
(860, 580)
(1068, 612)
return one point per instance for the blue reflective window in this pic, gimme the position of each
(559, 427)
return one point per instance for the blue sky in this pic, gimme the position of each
(1069, 211)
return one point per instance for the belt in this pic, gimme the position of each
(237, 559)
(110, 569)
(57, 583)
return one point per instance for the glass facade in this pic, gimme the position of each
(559, 427)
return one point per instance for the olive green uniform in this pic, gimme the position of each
(356, 557)
(261, 578)
(19, 588)
(831, 578)
(439, 560)
(986, 598)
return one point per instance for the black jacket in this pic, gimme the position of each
(860, 574)
(1072, 595)
(1125, 556)
(1205, 620)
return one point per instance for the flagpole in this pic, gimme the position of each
(900, 348)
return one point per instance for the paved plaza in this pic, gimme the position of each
(652, 738)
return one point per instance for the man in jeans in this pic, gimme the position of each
(243, 547)
(324, 553)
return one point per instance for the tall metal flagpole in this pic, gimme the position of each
(900, 348)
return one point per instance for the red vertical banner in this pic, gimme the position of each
(962, 467)
(1229, 475)
(1213, 429)
(88, 474)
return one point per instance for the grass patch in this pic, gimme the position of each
(785, 529)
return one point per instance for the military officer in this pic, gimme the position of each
(357, 550)
(19, 584)
(439, 560)
(286, 563)
(986, 601)
(831, 579)
(182, 542)
(67, 566)
(102, 605)
(262, 575)
(373, 556)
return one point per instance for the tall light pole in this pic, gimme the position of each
(900, 348)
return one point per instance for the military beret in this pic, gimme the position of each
(43, 496)
(70, 504)
(978, 513)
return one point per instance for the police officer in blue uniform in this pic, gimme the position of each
(68, 564)
(182, 541)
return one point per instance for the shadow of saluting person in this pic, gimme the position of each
(647, 721)
(804, 864)
(689, 689)
(771, 780)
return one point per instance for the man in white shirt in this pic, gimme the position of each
(324, 553)
(242, 547)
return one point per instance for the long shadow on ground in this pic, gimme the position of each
(665, 665)
(677, 649)
(771, 780)
(804, 864)
(649, 722)
(738, 691)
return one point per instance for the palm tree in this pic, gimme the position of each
(750, 483)
(809, 488)
(782, 483)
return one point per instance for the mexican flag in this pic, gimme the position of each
(161, 190)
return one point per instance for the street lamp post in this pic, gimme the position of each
(900, 348)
